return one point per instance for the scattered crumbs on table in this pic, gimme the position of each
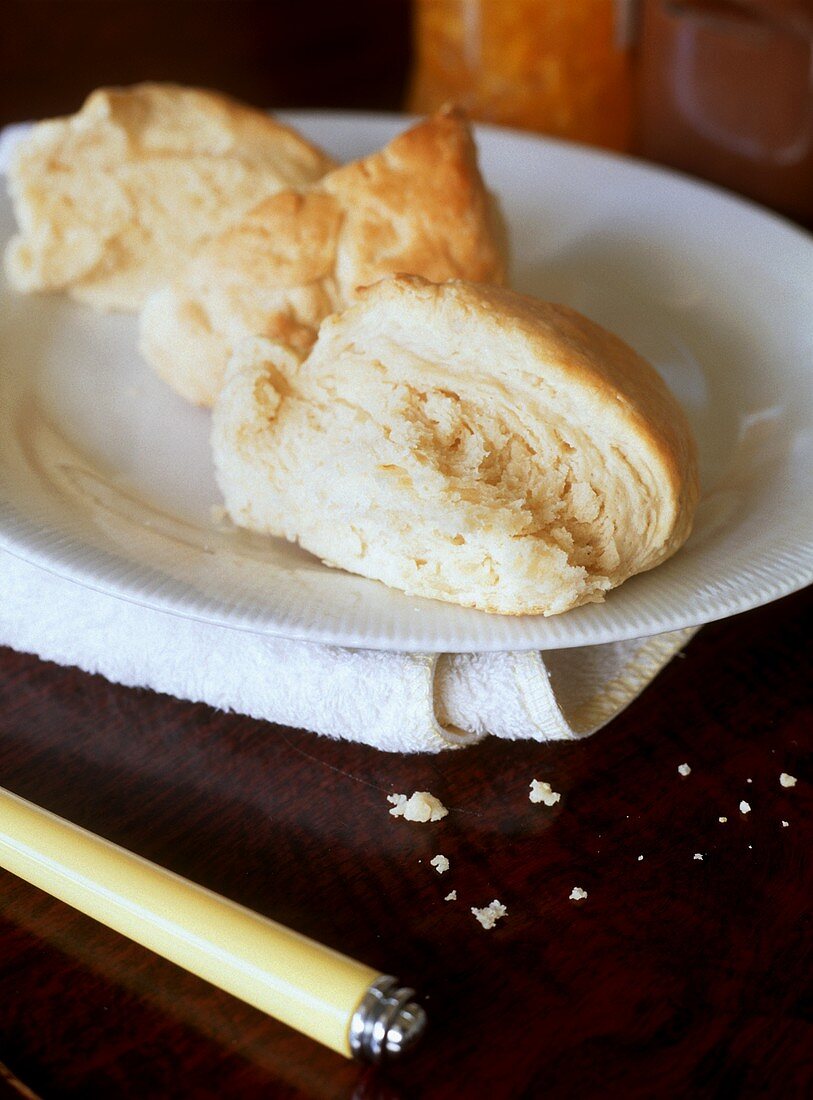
(543, 792)
(698, 855)
(787, 780)
(722, 820)
(785, 824)
(684, 769)
(492, 912)
(420, 806)
(440, 863)
(744, 807)
(577, 894)
(451, 896)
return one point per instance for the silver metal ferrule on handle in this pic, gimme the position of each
(387, 1022)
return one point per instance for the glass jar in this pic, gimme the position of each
(725, 91)
(560, 67)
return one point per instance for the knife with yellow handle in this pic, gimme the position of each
(347, 1006)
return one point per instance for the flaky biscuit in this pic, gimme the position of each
(112, 201)
(460, 442)
(417, 206)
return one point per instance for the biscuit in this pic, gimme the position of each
(112, 201)
(460, 442)
(417, 206)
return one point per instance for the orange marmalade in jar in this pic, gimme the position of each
(559, 67)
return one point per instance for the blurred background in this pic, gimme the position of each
(722, 89)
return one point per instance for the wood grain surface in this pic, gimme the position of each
(675, 977)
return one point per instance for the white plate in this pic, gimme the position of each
(105, 475)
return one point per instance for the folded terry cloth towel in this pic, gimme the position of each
(400, 702)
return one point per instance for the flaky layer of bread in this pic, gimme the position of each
(113, 200)
(460, 442)
(417, 206)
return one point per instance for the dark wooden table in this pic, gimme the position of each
(676, 977)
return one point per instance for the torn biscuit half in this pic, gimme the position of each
(460, 442)
(112, 201)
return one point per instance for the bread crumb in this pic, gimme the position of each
(698, 855)
(577, 894)
(722, 820)
(744, 807)
(749, 781)
(440, 863)
(640, 858)
(787, 780)
(543, 792)
(451, 896)
(684, 769)
(489, 916)
(420, 806)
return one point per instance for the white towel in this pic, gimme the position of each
(400, 702)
